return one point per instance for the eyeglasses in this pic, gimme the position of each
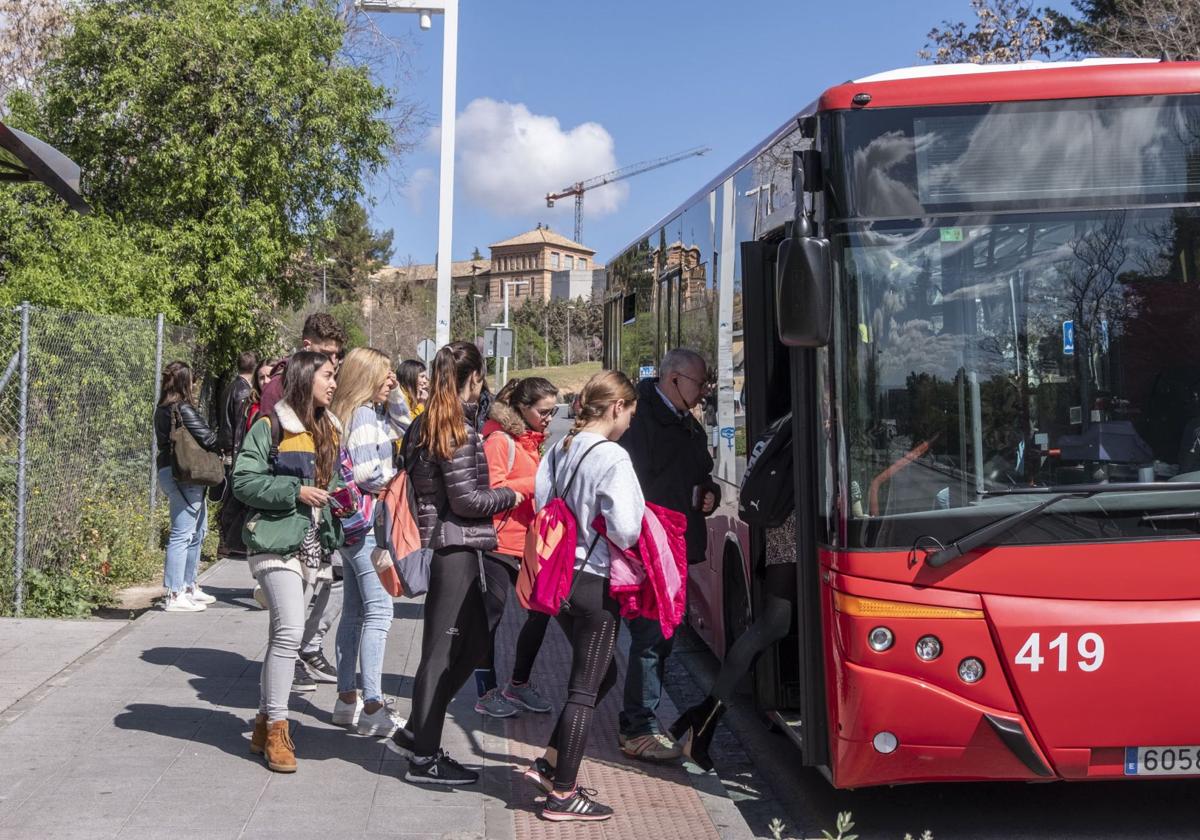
(702, 384)
(546, 413)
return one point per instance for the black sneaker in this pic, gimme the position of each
(581, 807)
(319, 668)
(441, 770)
(401, 743)
(541, 775)
(301, 681)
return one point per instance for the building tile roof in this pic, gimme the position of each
(542, 236)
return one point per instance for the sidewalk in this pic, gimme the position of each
(146, 736)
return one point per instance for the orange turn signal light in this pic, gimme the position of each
(877, 608)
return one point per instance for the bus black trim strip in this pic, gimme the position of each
(1013, 736)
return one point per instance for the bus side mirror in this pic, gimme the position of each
(803, 292)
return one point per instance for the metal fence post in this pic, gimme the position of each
(157, 374)
(22, 439)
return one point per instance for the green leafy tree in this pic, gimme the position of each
(216, 137)
(356, 249)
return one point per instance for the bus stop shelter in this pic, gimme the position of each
(24, 158)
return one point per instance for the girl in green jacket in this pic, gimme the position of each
(292, 530)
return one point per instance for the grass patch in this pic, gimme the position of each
(566, 377)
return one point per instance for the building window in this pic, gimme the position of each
(554, 259)
(582, 263)
(570, 262)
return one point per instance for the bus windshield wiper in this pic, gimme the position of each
(980, 536)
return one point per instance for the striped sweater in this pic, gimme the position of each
(370, 443)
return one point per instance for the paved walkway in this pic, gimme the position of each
(145, 733)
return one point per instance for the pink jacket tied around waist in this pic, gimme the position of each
(649, 580)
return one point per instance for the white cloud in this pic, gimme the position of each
(509, 158)
(414, 189)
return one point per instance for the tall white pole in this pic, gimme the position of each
(568, 336)
(504, 362)
(446, 177)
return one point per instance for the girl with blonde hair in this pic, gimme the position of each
(365, 383)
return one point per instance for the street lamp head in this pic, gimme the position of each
(426, 19)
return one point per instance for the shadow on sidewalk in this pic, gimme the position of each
(230, 733)
(222, 678)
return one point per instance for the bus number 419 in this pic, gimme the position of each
(1089, 646)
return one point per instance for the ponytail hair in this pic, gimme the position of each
(597, 397)
(443, 428)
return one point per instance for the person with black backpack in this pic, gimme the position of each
(766, 500)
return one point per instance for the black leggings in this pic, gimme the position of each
(771, 625)
(457, 634)
(529, 641)
(590, 622)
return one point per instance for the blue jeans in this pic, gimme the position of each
(366, 619)
(189, 522)
(648, 652)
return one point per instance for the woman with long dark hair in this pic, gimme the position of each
(287, 476)
(188, 502)
(446, 463)
(512, 439)
(414, 385)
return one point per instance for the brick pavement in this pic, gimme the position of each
(145, 736)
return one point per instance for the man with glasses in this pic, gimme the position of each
(321, 334)
(671, 456)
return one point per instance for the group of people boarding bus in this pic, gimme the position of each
(334, 432)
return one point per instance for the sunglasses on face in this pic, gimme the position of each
(547, 413)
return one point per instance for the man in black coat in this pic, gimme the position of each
(671, 456)
(230, 431)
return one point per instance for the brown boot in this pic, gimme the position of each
(280, 751)
(258, 738)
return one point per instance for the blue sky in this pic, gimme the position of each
(551, 92)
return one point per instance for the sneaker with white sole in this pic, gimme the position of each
(199, 595)
(346, 714)
(401, 743)
(319, 668)
(180, 602)
(652, 747)
(439, 770)
(301, 681)
(381, 723)
(578, 806)
(541, 775)
(260, 598)
(526, 697)
(494, 705)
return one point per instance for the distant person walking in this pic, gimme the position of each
(670, 455)
(595, 478)
(231, 428)
(292, 531)
(188, 502)
(445, 458)
(512, 440)
(365, 384)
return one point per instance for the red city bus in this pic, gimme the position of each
(984, 314)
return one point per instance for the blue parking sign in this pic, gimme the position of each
(1068, 338)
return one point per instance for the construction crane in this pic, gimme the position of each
(580, 187)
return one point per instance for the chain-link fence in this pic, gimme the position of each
(77, 495)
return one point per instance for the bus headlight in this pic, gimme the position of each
(970, 670)
(880, 639)
(929, 648)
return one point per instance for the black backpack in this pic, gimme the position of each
(767, 495)
(233, 512)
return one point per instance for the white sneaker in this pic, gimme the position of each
(346, 714)
(260, 598)
(382, 723)
(199, 595)
(180, 602)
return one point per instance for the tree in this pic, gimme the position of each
(1141, 28)
(217, 136)
(1006, 30)
(27, 32)
(475, 255)
(357, 251)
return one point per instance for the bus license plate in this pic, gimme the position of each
(1162, 761)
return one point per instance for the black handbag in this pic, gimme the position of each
(191, 463)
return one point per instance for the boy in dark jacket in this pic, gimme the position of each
(670, 454)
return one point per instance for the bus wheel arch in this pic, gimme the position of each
(736, 605)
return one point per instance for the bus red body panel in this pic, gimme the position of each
(1034, 84)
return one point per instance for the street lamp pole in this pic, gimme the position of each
(475, 316)
(509, 284)
(570, 309)
(448, 9)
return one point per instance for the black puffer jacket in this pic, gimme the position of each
(192, 421)
(455, 493)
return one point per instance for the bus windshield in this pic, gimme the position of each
(978, 354)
